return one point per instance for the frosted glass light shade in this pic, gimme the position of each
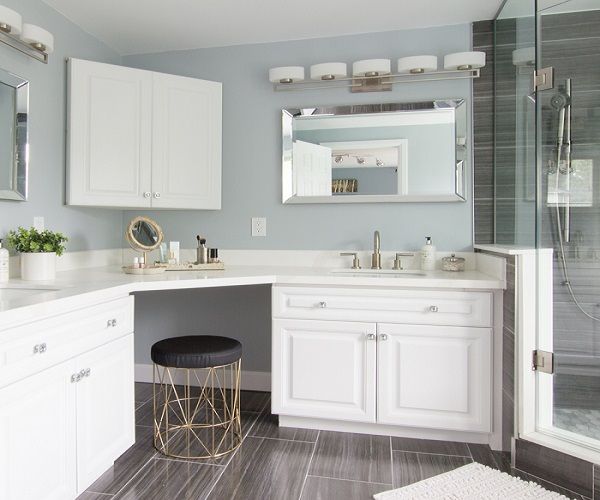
(417, 64)
(328, 71)
(524, 56)
(464, 61)
(286, 74)
(372, 67)
(38, 38)
(10, 21)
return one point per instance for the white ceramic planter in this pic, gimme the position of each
(38, 266)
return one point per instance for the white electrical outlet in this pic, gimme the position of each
(38, 223)
(259, 226)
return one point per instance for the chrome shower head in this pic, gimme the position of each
(560, 100)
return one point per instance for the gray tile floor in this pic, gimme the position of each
(283, 463)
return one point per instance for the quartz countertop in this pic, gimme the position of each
(76, 287)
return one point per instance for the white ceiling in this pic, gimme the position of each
(142, 26)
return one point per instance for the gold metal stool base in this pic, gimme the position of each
(200, 417)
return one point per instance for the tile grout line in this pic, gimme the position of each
(392, 460)
(281, 439)
(132, 477)
(349, 480)
(309, 464)
(436, 454)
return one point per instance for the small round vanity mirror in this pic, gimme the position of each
(144, 235)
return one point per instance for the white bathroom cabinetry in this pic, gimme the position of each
(141, 139)
(417, 359)
(71, 412)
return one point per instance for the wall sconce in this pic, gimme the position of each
(375, 75)
(29, 39)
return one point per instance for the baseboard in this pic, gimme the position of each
(251, 381)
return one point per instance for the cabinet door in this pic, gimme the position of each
(109, 135)
(105, 408)
(324, 369)
(37, 436)
(186, 153)
(434, 376)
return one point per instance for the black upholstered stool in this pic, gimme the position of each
(197, 396)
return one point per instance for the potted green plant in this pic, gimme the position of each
(38, 250)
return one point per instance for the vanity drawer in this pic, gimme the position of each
(27, 349)
(384, 306)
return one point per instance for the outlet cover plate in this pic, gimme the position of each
(259, 226)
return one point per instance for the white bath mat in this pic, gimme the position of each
(471, 482)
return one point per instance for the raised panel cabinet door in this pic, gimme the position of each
(434, 376)
(37, 436)
(105, 408)
(109, 135)
(324, 369)
(186, 153)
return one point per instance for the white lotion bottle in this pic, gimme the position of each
(428, 255)
(4, 262)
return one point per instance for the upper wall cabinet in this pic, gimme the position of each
(140, 139)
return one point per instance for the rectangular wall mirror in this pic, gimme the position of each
(14, 147)
(399, 152)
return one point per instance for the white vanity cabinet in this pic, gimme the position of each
(412, 358)
(70, 413)
(142, 139)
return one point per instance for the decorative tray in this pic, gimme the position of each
(192, 266)
(143, 270)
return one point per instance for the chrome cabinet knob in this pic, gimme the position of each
(370, 336)
(85, 372)
(111, 323)
(40, 348)
(322, 304)
(433, 309)
(76, 377)
(383, 336)
(147, 194)
(157, 194)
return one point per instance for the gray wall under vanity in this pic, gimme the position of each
(252, 147)
(87, 228)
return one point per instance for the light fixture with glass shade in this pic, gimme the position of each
(29, 39)
(417, 64)
(286, 74)
(464, 61)
(328, 71)
(375, 75)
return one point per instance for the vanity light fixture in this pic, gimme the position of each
(328, 71)
(416, 65)
(29, 39)
(464, 61)
(375, 75)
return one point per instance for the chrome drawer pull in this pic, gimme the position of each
(76, 377)
(370, 336)
(85, 372)
(433, 309)
(111, 323)
(322, 305)
(40, 348)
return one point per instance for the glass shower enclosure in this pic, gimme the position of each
(547, 197)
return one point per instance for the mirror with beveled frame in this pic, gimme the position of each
(395, 152)
(14, 145)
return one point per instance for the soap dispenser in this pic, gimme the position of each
(428, 255)
(4, 271)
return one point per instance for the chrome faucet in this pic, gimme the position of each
(376, 257)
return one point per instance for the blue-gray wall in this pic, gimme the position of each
(252, 146)
(87, 228)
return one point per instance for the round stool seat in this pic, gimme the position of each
(196, 351)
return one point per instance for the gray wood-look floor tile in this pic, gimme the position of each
(267, 426)
(430, 446)
(172, 480)
(324, 488)
(352, 456)
(549, 486)
(495, 459)
(412, 467)
(143, 392)
(127, 465)
(90, 495)
(265, 469)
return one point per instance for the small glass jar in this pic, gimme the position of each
(453, 263)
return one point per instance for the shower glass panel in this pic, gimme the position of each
(569, 215)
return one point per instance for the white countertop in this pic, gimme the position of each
(105, 283)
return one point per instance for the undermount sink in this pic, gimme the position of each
(379, 272)
(19, 292)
